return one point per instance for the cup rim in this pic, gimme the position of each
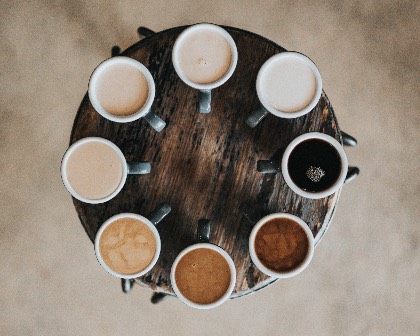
(66, 157)
(232, 272)
(341, 178)
(93, 83)
(178, 68)
(141, 219)
(266, 270)
(318, 80)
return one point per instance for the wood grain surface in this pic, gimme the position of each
(204, 165)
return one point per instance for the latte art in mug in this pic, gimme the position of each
(205, 56)
(127, 245)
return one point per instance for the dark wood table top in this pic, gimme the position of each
(204, 165)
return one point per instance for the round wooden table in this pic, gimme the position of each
(204, 165)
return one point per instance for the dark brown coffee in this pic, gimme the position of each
(203, 276)
(281, 245)
(314, 165)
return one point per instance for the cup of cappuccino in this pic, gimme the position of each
(122, 89)
(281, 245)
(94, 170)
(203, 275)
(204, 57)
(128, 245)
(289, 85)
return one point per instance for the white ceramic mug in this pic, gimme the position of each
(205, 89)
(127, 168)
(204, 242)
(259, 264)
(144, 112)
(274, 166)
(344, 165)
(154, 218)
(262, 87)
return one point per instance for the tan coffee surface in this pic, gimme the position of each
(205, 56)
(94, 170)
(122, 89)
(203, 275)
(281, 244)
(289, 84)
(127, 246)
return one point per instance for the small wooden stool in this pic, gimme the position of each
(205, 165)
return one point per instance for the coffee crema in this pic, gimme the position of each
(314, 165)
(205, 56)
(203, 276)
(122, 89)
(94, 170)
(127, 245)
(288, 84)
(281, 245)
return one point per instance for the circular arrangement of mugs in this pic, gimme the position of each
(94, 170)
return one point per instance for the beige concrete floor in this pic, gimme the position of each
(364, 279)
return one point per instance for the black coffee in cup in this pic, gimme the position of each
(314, 165)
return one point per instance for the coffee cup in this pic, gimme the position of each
(203, 275)
(122, 89)
(289, 85)
(204, 57)
(314, 165)
(281, 245)
(128, 245)
(94, 170)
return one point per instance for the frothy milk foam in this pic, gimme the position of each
(127, 245)
(94, 170)
(288, 84)
(122, 89)
(205, 56)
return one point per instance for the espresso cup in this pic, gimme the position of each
(122, 89)
(128, 245)
(204, 57)
(203, 275)
(94, 170)
(289, 85)
(281, 245)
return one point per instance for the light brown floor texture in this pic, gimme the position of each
(364, 278)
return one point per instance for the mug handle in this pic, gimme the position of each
(268, 166)
(204, 101)
(348, 140)
(154, 120)
(203, 231)
(159, 213)
(255, 118)
(250, 213)
(134, 168)
(352, 173)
